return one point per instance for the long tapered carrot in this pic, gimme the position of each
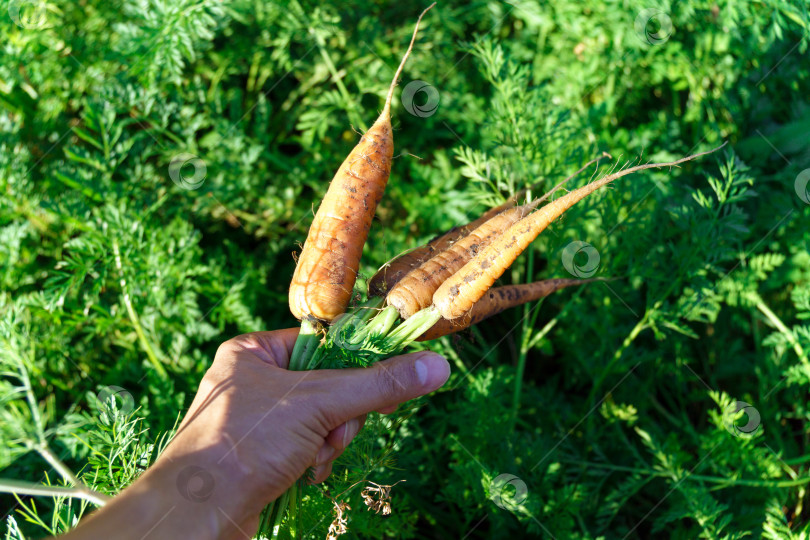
(511, 201)
(392, 272)
(324, 277)
(497, 300)
(463, 289)
(415, 291)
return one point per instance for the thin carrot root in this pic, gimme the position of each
(500, 299)
(511, 201)
(326, 272)
(394, 271)
(462, 290)
(415, 291)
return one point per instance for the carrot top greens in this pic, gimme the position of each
(161, 161)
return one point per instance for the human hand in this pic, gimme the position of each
(252, 430)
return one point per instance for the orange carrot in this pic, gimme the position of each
(392, 272)
(497, 300)
(324, 277)
(458, 294)
(415, 291)
(511, 201)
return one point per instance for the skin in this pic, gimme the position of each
(252, 430)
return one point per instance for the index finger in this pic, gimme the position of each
(273, 346)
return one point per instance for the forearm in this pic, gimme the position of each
(253, 430)
(191, 496)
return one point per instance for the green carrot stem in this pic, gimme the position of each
(416, 325)
(783, 329)
(369, 309)
(382, 323)
(305, 345)
(267, 516)
(282, 507)
(362, 321)
(292, 504)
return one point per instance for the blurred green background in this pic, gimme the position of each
(612, 404)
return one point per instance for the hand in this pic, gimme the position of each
(252, 430)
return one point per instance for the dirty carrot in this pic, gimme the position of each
(497, 300)
(511, 201)
(324, 277)
(392, 272)
(415, 291)
(461, 291)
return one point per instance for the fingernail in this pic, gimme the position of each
(324, 454)
(432, 370)
(352, 427)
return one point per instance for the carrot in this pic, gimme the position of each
(324, 277)
(511, 201)
(463, 289)
(393, 271)
(415, 291)
(497, 300)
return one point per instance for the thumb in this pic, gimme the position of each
(354, 392)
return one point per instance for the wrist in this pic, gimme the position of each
(207, 486)
(186, 495)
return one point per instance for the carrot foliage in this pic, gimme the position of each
(159, 164)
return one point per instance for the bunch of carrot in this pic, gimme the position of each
(431, 291)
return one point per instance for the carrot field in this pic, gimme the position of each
(644, 367)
